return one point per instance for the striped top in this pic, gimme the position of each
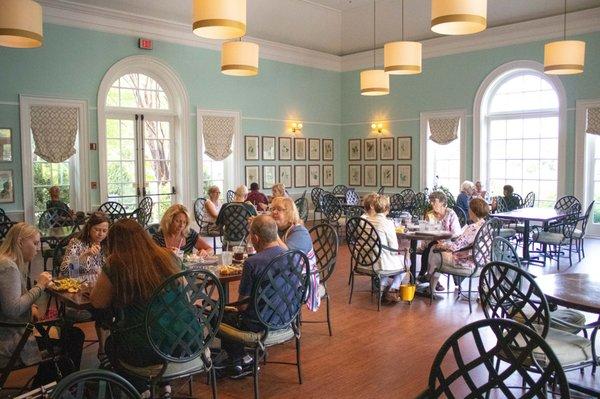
(188, 245)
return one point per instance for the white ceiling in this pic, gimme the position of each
(338, 27)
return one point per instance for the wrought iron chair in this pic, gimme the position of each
(113, 210)
(325, 244)
(419, 205)
(508, 229)
(332, 210)
(181, 320)
(503, 251)
(477, 359)
(230, 196)
(449, 196)
(529, 201)
(462, 216)
(568, 203)
(277, 296)
(94, 383)
(203, 225)
(396, 205)
(234, 224)
(519, 200)
(140, 216)
(381, 190)
(508, 292)
(408, 199)
(559, 235)
(315, 196)
(146, 205)
(352, 197)
(5, 226)
(340, 189)
(579, 234)
(354, 211)
(52, 218)
(302, 205)
(153, 228)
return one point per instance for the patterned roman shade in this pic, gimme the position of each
(54, 132)
(443, 130)
(592, 121)
(218, 134)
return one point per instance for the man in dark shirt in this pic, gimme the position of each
(258, 199)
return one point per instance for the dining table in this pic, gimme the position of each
(414, 236)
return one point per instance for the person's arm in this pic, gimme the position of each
(245, 288)
(202, 245)
(101, 296)
(12, 303)
(390, 234)
(455, 228)
(211, 209)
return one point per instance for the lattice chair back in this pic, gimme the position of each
(363, 242)
(183, 315)
(331, 208)
(462, 216)
(4, 228)
(420, 205)
(235, 223)
(281, 289)
(381, 190)
(315, 196)
(302, 205)
(501, 205)
(230, 196)
(354, 211)
(465, 365)
(113, 210)
(482, 245)
(529, 201)
(199, 211)
(325, 244)
(408, 198)
(58, 254)
(503, 251)
(568, 203)
(3, 217)
(146, 205)
(153, 228)
(55, 217)
(519, 200)
(340, 189)
(584, 219)
(94, 383)
(396, 205)
(352, 197)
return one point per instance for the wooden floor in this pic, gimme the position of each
(371, 354)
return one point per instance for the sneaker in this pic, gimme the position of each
(238, 371)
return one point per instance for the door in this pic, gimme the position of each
(592, 183)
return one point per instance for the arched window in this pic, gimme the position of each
(519, 133)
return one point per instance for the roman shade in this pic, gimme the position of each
(443, 130)
(592, 121)
(54, 132)
(218, 134)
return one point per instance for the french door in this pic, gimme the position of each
(592, 183)
(140, 160)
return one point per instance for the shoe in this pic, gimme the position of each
(423, 279)
(221, 361)
(238, 371)
(439, 287)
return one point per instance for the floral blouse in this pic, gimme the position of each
(76, 247)
(450, 222)
(460, 248)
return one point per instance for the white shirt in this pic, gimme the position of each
(387, 235)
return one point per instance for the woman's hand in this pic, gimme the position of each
(35, 313)
(43, 280)
(203, 253)
(91, 251)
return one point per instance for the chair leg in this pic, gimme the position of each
(298, 360)
(328, 318)
(378, 294)
(469, 295)
(582, 248)
(351, 286)
(213, 383)
(255, 373)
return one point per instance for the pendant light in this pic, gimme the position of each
(239, 58)
(21, 24)
(458, 17)
(219, 19)
(374, 82)
(564, 57)
(402, 58)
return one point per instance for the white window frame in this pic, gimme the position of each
(235, 174)
(168, 79)
(424, 139)
(480, 129)
(582, 172)
(79, 166)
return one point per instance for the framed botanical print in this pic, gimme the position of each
(404, 175)
(387, 175)
(327, 149)
(251, 148)
(5, 145)
(269, 176)
(354, 149)
(328, 175)
(386, 149)
(404, 148)
(7, 193)
(285, 175)
(252, 175)
(314, 149)
(285, 148)
(370, 173)
(299, 149)
(268, 148)
(354, 175)
(299, 175)
(314, 175)
(370, 149)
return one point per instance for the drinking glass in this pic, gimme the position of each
(227, 257)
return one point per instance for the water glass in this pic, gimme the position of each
(227, 257)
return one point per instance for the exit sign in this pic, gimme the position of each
(145, 44)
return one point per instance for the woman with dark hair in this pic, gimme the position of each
(88, 246)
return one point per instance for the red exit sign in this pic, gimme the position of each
(145, 44)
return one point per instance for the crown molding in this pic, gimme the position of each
(579, 22)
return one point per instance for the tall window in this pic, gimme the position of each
(46, 175)
(521, 117)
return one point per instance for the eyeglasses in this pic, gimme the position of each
(278, 209)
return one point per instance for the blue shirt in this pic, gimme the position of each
(462, 201)
(298, 238)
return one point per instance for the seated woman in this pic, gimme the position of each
(389, 261)
(293, 235)
(240, 198)
(256, 198)
(212, 206)
(17, 305)
(278, 190)
(511, 201)
(457, 254)
(369, 203)
(478, 191)
(175, 232)
(466, 192)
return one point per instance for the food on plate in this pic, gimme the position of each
(67, 284)
(229, 270)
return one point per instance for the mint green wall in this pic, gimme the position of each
(72, 63)
(451, 82)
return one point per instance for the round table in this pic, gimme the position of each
(573, 290)
(414, 237)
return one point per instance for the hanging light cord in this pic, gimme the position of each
(565, 23)
(374, 1)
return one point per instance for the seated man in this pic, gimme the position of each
(55, 201)
(263, 234)
(258, 199)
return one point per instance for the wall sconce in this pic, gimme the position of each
(377, 127)
(296, 127)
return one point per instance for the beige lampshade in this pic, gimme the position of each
(374, 82)
(220, 19)
(564, 57)
(21, 24)
(402, 58)
(239, 58)
(458, 17)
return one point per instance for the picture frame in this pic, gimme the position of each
(6, 145)
(268, 148)
(387, 175)
(314, 175)
(252, 175)
(299, 175)
(285, 175)
(269, 174)
(370, 175)
(404, 176)
(354, 149)
(404, 148)
(386, 149)
(299, 149)
(328, 175)
(370, 149)
(314, 149)
(7, 193)
(285, 148)
(327, 149)
(251, 148)
(354, 175)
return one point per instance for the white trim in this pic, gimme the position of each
(9, 103)
(581, 171)
(179, 103)
(81, 175)
(479, 127)
(424, 118)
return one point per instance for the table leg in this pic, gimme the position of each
(526, 240)
(225, 292)
(413, 260)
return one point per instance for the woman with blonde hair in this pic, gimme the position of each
(240, 198)
(175, 232)
(212, 207)
(17, 305)
(278, 190)
(369, 202)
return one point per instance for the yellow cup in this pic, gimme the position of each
(400, 229)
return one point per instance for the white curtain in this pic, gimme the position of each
(218, 134)
(54, 132)
(443, 130)
(592, 121)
